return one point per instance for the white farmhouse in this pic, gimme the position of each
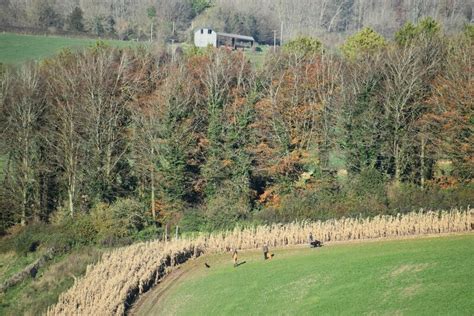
(204, 37)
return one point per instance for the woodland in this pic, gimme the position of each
(327, 20)
(110, 145)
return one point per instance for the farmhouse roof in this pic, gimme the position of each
(203, 28)
(237, 36)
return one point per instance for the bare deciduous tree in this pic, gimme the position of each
(67, 134)
(408, 71)
(22, 108)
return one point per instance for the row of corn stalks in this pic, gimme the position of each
(113, 284)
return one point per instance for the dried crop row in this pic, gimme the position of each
(382, 226)
(110, 286)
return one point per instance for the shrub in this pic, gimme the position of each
(193, 221)
(369, 181)
(303, 46)
(324, 197)
(60, 237)
(30, 238)
(129, 213)
(407, 197)
(191, 51)
(149, 233)
(121, 220)
(7, 206)
(78, 231)
(266, 215)
(468, 32)
(25, 243)
(226, 208)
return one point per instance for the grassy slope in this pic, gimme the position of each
(16, 48)
(33, 296)
(413, 277)
(10, 264)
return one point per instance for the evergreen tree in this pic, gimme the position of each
(109, 25)
(198, 6)
(303, 46)
(96, 27)
(171, 158)
(365, 41)
(427, 28)
(406, 34)
(48, 17)
(363, 119)
(75, 20)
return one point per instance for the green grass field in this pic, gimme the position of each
(17, 48)
(428, 276)
(258, 57)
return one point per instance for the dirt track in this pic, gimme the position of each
(148, 302)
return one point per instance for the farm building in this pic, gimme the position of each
(204, 37)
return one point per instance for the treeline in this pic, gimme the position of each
(206, 140)
(173, 19)
(127, 20)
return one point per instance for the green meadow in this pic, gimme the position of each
(427, 276)
(17, 48)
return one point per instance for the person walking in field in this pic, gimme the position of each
(265, 251)
(234, 257)
(310, 239)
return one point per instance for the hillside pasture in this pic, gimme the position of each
(18, 48)
(137, 268)
(427, 276)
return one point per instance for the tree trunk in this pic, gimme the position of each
(23, 211)
(153, 207)
(151, 32)
(397, 164)
(108, 171)
(70, 193)
(24, 188)
(422, 162)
